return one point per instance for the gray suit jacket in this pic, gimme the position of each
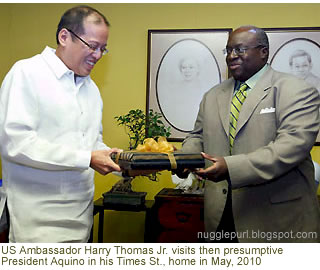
(271, 172)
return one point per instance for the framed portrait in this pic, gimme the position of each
(296, 51)
(182, 66)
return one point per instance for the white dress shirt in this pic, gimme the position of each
(49, 124)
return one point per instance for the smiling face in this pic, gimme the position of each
(301, 66)
(189, 69)
(244, 66)
(75, 54)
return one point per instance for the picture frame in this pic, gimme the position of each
(296, 50)
(183, 64)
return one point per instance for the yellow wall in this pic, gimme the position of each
(4, 30)
(121, 75)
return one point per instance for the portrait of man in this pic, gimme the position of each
(301, 66)
(299, 57)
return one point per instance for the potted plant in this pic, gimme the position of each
(140, 126)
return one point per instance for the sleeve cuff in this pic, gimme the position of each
(83, 159)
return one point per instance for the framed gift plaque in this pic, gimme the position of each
(182, 66)
(296, 51)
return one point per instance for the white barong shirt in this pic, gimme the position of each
(49, 124)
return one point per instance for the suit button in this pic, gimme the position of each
(224, 191)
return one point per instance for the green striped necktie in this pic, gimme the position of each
(236, 105)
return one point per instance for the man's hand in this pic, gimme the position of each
(181, 173)
(217, 172)
(102, 162)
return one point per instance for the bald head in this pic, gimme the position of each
(260, 34)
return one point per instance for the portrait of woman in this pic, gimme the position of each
(187, 71)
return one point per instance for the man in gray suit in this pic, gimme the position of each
(261, 189)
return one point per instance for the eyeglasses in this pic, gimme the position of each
(239, 50)
(91, 47)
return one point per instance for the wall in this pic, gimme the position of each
(121, 75)
(5, 52)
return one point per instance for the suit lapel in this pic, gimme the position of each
(224, 97)
(254, 97)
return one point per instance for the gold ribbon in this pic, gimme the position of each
(117, 157)
(173, 161)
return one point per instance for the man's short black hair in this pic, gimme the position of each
(73, 19)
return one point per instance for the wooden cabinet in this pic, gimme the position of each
(176, 217)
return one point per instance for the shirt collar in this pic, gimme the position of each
(251, 82)
(57, 66)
